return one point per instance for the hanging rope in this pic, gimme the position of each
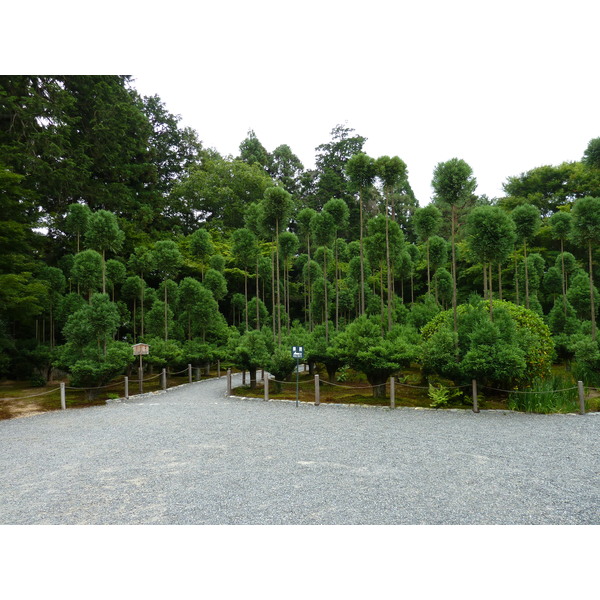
(525, 391)
(34, 395)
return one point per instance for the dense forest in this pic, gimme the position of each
(120, 226)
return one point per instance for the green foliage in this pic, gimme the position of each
(440, 395)
(364, 348)
(165, 353)
(591, 156)
(249, 352)
(554, 394)
(453, 182)
(578, 295)
(514, 349)
(216, 283)
(587, 360)
(491, 234)
(527, 221)
(92, 371)
(87, 271)
(328, 353)
(427, 221)
(281, 365)
(423, 311)
(103, 233)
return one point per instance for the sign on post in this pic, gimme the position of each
(141, 350)
(297, 353)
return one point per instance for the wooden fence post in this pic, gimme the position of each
(266, 384)
(317, 391)
(392, 392)
(581, 397)
(164, 379)
(219, 368)
(475, 406)
(198, 376)
(126, 387)
(189, 373)
(141, 378)
(229, 382)
(63, 399)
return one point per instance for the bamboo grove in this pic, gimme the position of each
(119, 226)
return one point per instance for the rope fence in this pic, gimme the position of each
(309, 390)
(90, 392)
(301, 388)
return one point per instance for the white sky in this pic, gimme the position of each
(506, 86)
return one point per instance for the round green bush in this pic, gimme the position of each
(516, 348)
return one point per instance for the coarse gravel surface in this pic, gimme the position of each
(191, 456)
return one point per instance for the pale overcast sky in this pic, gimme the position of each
(506, 86)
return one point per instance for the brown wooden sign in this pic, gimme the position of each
(141, 349)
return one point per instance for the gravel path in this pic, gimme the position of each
(193, 456)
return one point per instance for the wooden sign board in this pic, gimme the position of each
(141, 349)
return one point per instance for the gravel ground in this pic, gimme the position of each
(193, 456)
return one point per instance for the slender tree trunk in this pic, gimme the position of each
(134, 319)
(526, 276)
(428, 274)
(564, 286)
(491, 292)
(593, 308)
(388, 263)
(246, 295)
(257, 310)
(278, 284)
(454, 312)
(166, 315)
(485, 290)
(362, 266)
(309, 281)
(142, 306)
(273, 294)
(516, 281)
(337, 297)
(103, 272)
(326, 308)
(500, 281)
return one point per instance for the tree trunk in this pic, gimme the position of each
(593, 308)
(388, 265)
(103, 272)
(500, 281)
(325, 310)
(331, 374)
(491, 292)
(362, 266)
(378, 384)
(454, 313)
(278, 284)
(257, 311)
(526, 276)
(252, 372)
(246, 295)
(428, 271)
(166, 319)
(564, 287)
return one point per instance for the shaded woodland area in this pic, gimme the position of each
(119, 226)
